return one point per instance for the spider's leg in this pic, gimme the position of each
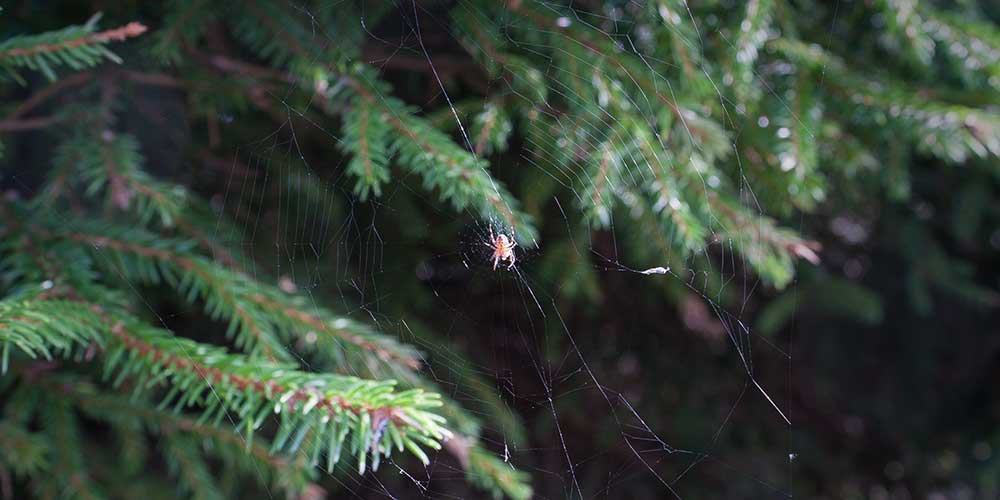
(496, 260)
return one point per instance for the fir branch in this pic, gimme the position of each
(130, 30)
(420, 146)
(21, 254)
(186, 463)
(906, 32)
(218, 250)
(322, 321)
(971, 48)
(492, 129)
(291, 474)
(44, 328)
(375, 417)
(283, 37)
(599, 197)
(69, 477)
(767, 248)
(112, 164)
(605, 53)
(296, 317)
(951, 132)
(438, 159)
(752, 34)
(378, 417)
(192, 277)
(25, 452)
(488, 472)
(367, 138)
(184, 22)
(798, 119)
(668, 191)
(76, 46)
(264, 313)
(685, 44)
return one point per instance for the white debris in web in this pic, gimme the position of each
(656, 270)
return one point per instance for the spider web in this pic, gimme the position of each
(610, 410)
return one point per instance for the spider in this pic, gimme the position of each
(503, 249)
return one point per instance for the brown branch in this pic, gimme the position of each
(121, 195)
(49, 91)
(446, 66)
(230, 65)
(154, 79)
(12, 124)
(32, 123)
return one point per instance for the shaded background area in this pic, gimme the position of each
(883, 356)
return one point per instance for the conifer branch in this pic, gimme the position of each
(670, 200)
(376, 418)
(24, 451)
(292, 474)
(420, 146)
(685, 44)
(491, 128)
(485, 470)
(112, 164)
(69, 470)
(368, 141)
(951, 132)
(752, 34)
(130, 30)
(607, 55)
(76, 46)
(254, 306)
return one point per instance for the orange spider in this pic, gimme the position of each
(503, 249)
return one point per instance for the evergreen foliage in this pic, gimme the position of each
(654, 117)
(76, 47)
